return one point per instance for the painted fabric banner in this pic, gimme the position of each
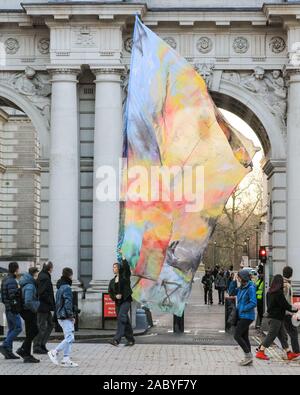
(183, 163)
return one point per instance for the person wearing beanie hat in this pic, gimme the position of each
(65, 312)
(246, 304)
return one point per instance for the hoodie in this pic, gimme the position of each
(29, 293)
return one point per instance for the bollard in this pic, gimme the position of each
(178, 324)
(230, 313)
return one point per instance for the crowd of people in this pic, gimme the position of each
(31, 298)
(248, 295)
(220, 279)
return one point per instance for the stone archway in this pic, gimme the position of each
(254, 111)
(238, 100)
(16, 100)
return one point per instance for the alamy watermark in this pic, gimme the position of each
(152, 184)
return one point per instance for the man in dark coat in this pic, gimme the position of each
(11, 298)
(120, 291)
(47, 306)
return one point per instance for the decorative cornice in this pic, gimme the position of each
(63, 70)
(113, 69)
(272, 166)
(104, 11)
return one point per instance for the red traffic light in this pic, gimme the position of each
(263, 254)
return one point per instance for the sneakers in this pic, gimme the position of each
(261, 355)
(68, 363)
(11, 355)
(129, 344)
(31, 359)
(53, 357)
(114, 343)
(248, 360)
(291, 356)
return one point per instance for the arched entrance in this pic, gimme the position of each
(13, 99)
(20, 197)
(206, 323)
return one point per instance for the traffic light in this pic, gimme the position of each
(263, 255)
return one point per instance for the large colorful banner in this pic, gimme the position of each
(183, 162)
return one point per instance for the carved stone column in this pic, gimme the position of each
(64, 172)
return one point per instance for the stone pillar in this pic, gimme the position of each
(64, 173)
(293, 171)
(277, 221)
(108, 143)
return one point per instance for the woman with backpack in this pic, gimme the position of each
(246, 304)
(29, 313)
(277, 308)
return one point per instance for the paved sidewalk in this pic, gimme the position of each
(95, 359)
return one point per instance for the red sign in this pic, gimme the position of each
(109, 307)
(296, 299)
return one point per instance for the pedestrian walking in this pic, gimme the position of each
(29, 313)
(277, 308)
(207, 281)
(288, 293)
(11, 298)
(260, 289)
(120, 291)
(65, 312)
(221, 285)
(216, 271)
(246, 304)
(47, 307)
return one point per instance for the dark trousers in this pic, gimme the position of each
(221, 292)
(260, 312)
(31, 330)
(124, 327)
(45, 326)
(208, 295)
(276, 329)
(293, 333)
(242, 335)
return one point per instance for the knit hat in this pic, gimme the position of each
(245, 275)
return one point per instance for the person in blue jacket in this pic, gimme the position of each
(11, 298)
(246, 304)
(29, 313)
(65, 313)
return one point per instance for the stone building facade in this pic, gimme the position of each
(63, 79)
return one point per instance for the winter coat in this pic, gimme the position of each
(221, 282)
(45, 292)
(29, 293)
(11, 294)
(278, 305)
(64, 300)
(207, 281)
(246, 302)
(123, 287)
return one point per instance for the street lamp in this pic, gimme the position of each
(257, 230)
(248, 246)
(214, 252)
